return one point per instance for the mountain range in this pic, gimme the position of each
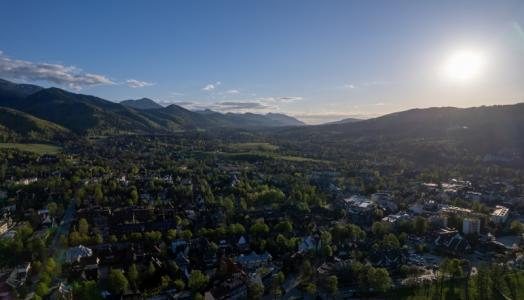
(32, 112)
(89, 115)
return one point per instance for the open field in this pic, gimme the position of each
(256, 155)
(241, 147)
(35, 148)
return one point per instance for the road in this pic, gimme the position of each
(65, 225)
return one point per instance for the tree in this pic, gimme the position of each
(197, 281)
(63, 241)
(83, 226)
(97, 239)
(179, 284)
(379, 229)
(311, 288)
(117, 282)
(276, 283)
(186, 234)
(86, 290)
(259, 228)
(42, 289)
(255, 291)
(132, 274)
(306, 270)
(151, 270)
(53, 208)
(379, 280)
(112, 239)
(75, 238)
(327, 251)
(133, 195)
(391, 241)
(38, 248)
(516, 227)
(421, 225)
(331, 285)
(171, 234)
(98, 194)
(284, 227)
(165, 281)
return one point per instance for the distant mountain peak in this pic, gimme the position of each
(19, 89)
(143, 103)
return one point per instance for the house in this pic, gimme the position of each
(451, 242)
(360, 209)
(253, 261)
(178, 245)
(389, 258)
(500, 214)
(19, 275)
(234, 287)
(393, 219)
(310, 243)
(4, 225)
(182, 261)
(385, 200)
(242, 244)
(61, 292)
(86, 268)
(74, 254)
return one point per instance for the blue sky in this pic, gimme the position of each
(317, 60)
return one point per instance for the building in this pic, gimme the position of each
(74, 254)
(471, 226)
(500, 214)
(385, 200)
(451, 242)
(360, 210)
(253, 261)
(19, 275)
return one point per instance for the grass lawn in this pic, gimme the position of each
(257, 155)
(35, 148)
(242, 147)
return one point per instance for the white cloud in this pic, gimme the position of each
(365, 84)
(70, 76)
(211, 86)
(233, 91)
(260, 105)
(289, 99)
(133, 83)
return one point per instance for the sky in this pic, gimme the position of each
(316, 60)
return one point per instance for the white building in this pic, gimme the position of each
(500, 214)
(471, 226)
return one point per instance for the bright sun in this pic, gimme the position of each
(464, 65)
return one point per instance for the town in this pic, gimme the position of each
(190, 217)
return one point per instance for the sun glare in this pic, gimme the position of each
(464, 65)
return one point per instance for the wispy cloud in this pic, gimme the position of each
(288, 99)
(238, 106)
(364, 84)
(233, 91)
(242, 105)
(211, 86)
(133, 83)
(70, 76)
